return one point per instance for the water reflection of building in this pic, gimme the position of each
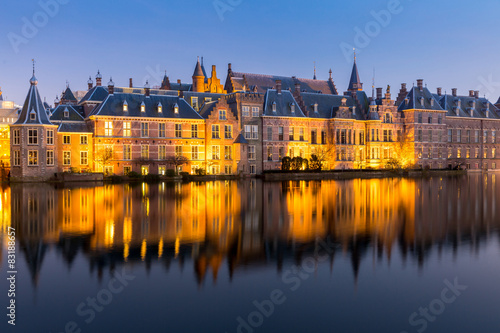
(251, 223)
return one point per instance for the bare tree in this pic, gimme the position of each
(103, 156)
(177, 161)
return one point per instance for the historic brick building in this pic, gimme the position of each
(249, 125)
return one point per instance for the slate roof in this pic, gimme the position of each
(33, 104)
(74, 127)
(328, 105)
(355, 81)
(113, 106)
(465, 104)
(262, 83)
(283, 101)
(207, 109)
(96, 94)
(240, 139)
(74, 113)
(68, 95)
(420, 99)
(198, 71)
(181, 86)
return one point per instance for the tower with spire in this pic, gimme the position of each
(355, 82)
(198, 78)
(33, 137)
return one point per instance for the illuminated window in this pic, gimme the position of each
(108, 128)
(323, 137)
(127, 169)
(176, 108)
(485, 153)
(255, 111)
(143, 107)
(194, 152)
(125, 106)
(459, 153)
(178, 151)
(228, 153)
(194, 103)
(291, 134)
(301, 133)
(144, 130)
(194, 131)
(245, 110)
(281, 152)
(251, 152)
(16, 159)
(66, 158)
(227, 169)
(485, 136)
(493, 153)
(127, 152)
(215, 132)
(127, 128)
(253, 169)
(161, 130)
(32, 157)
(160, 108)
(84, 158)
(476, 153)
(178, 130)
(493, 137)
(269, 153)
(145, 151)
(50, 137)
(16, 137)
(215, 152)
(84, 140)
(32, 136)
(66, 139)
(50, 157)
(162, 170)
(450, 153)
(162, 152)
(467, 153)
(228, 131)
(222, 115)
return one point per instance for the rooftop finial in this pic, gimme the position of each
(33, 66)
(373, 85)
(314, 78)
(67, 84)
(354, 49)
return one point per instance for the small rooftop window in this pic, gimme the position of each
(160, 107)
(125, 106)
(274, 107)
(143, 107)
(176, 108)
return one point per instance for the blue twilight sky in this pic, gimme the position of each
(448, 43)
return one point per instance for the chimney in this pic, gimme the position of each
(420, 84)
(111, 87)
(297, 87)
(179, 81)
(278, 86)
(90, 83)
(439, 91)
(476, 93)
(130, 85)
(147, 90)
(98, 79)
(454, 92)
(229, 68)
(471, 93)
(379, 93)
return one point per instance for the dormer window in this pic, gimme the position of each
(459, 103)
(407, 101)
(66, 113)
(176, 108)
(32, 115)
(344, 101)
(473, 104)
(143, 107)
(422, 101)
(292, 107)
(431, 100)
(125, 106)
(315, 106)
(274, 107)
(160, 107)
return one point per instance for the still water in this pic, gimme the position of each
(379, 255)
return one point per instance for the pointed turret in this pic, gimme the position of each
(68, 97)
(165, 83)
(33, 111)
(355, 82)
(198, 78)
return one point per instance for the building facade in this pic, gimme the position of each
(248, 126)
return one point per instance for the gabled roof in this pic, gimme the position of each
(68, 95)
(240, 139)
(465, 104)
(181, 86)
(33, 105)
(283, 102)
(96, 94)
(74, 127)
(207, 109)
(113, 106)
(260, 83)
(327, 104)
(74, 113)
(421, 99)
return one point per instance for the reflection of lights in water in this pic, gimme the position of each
(160, 248)
(126, 251)
(143, 249)
(177, 246)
